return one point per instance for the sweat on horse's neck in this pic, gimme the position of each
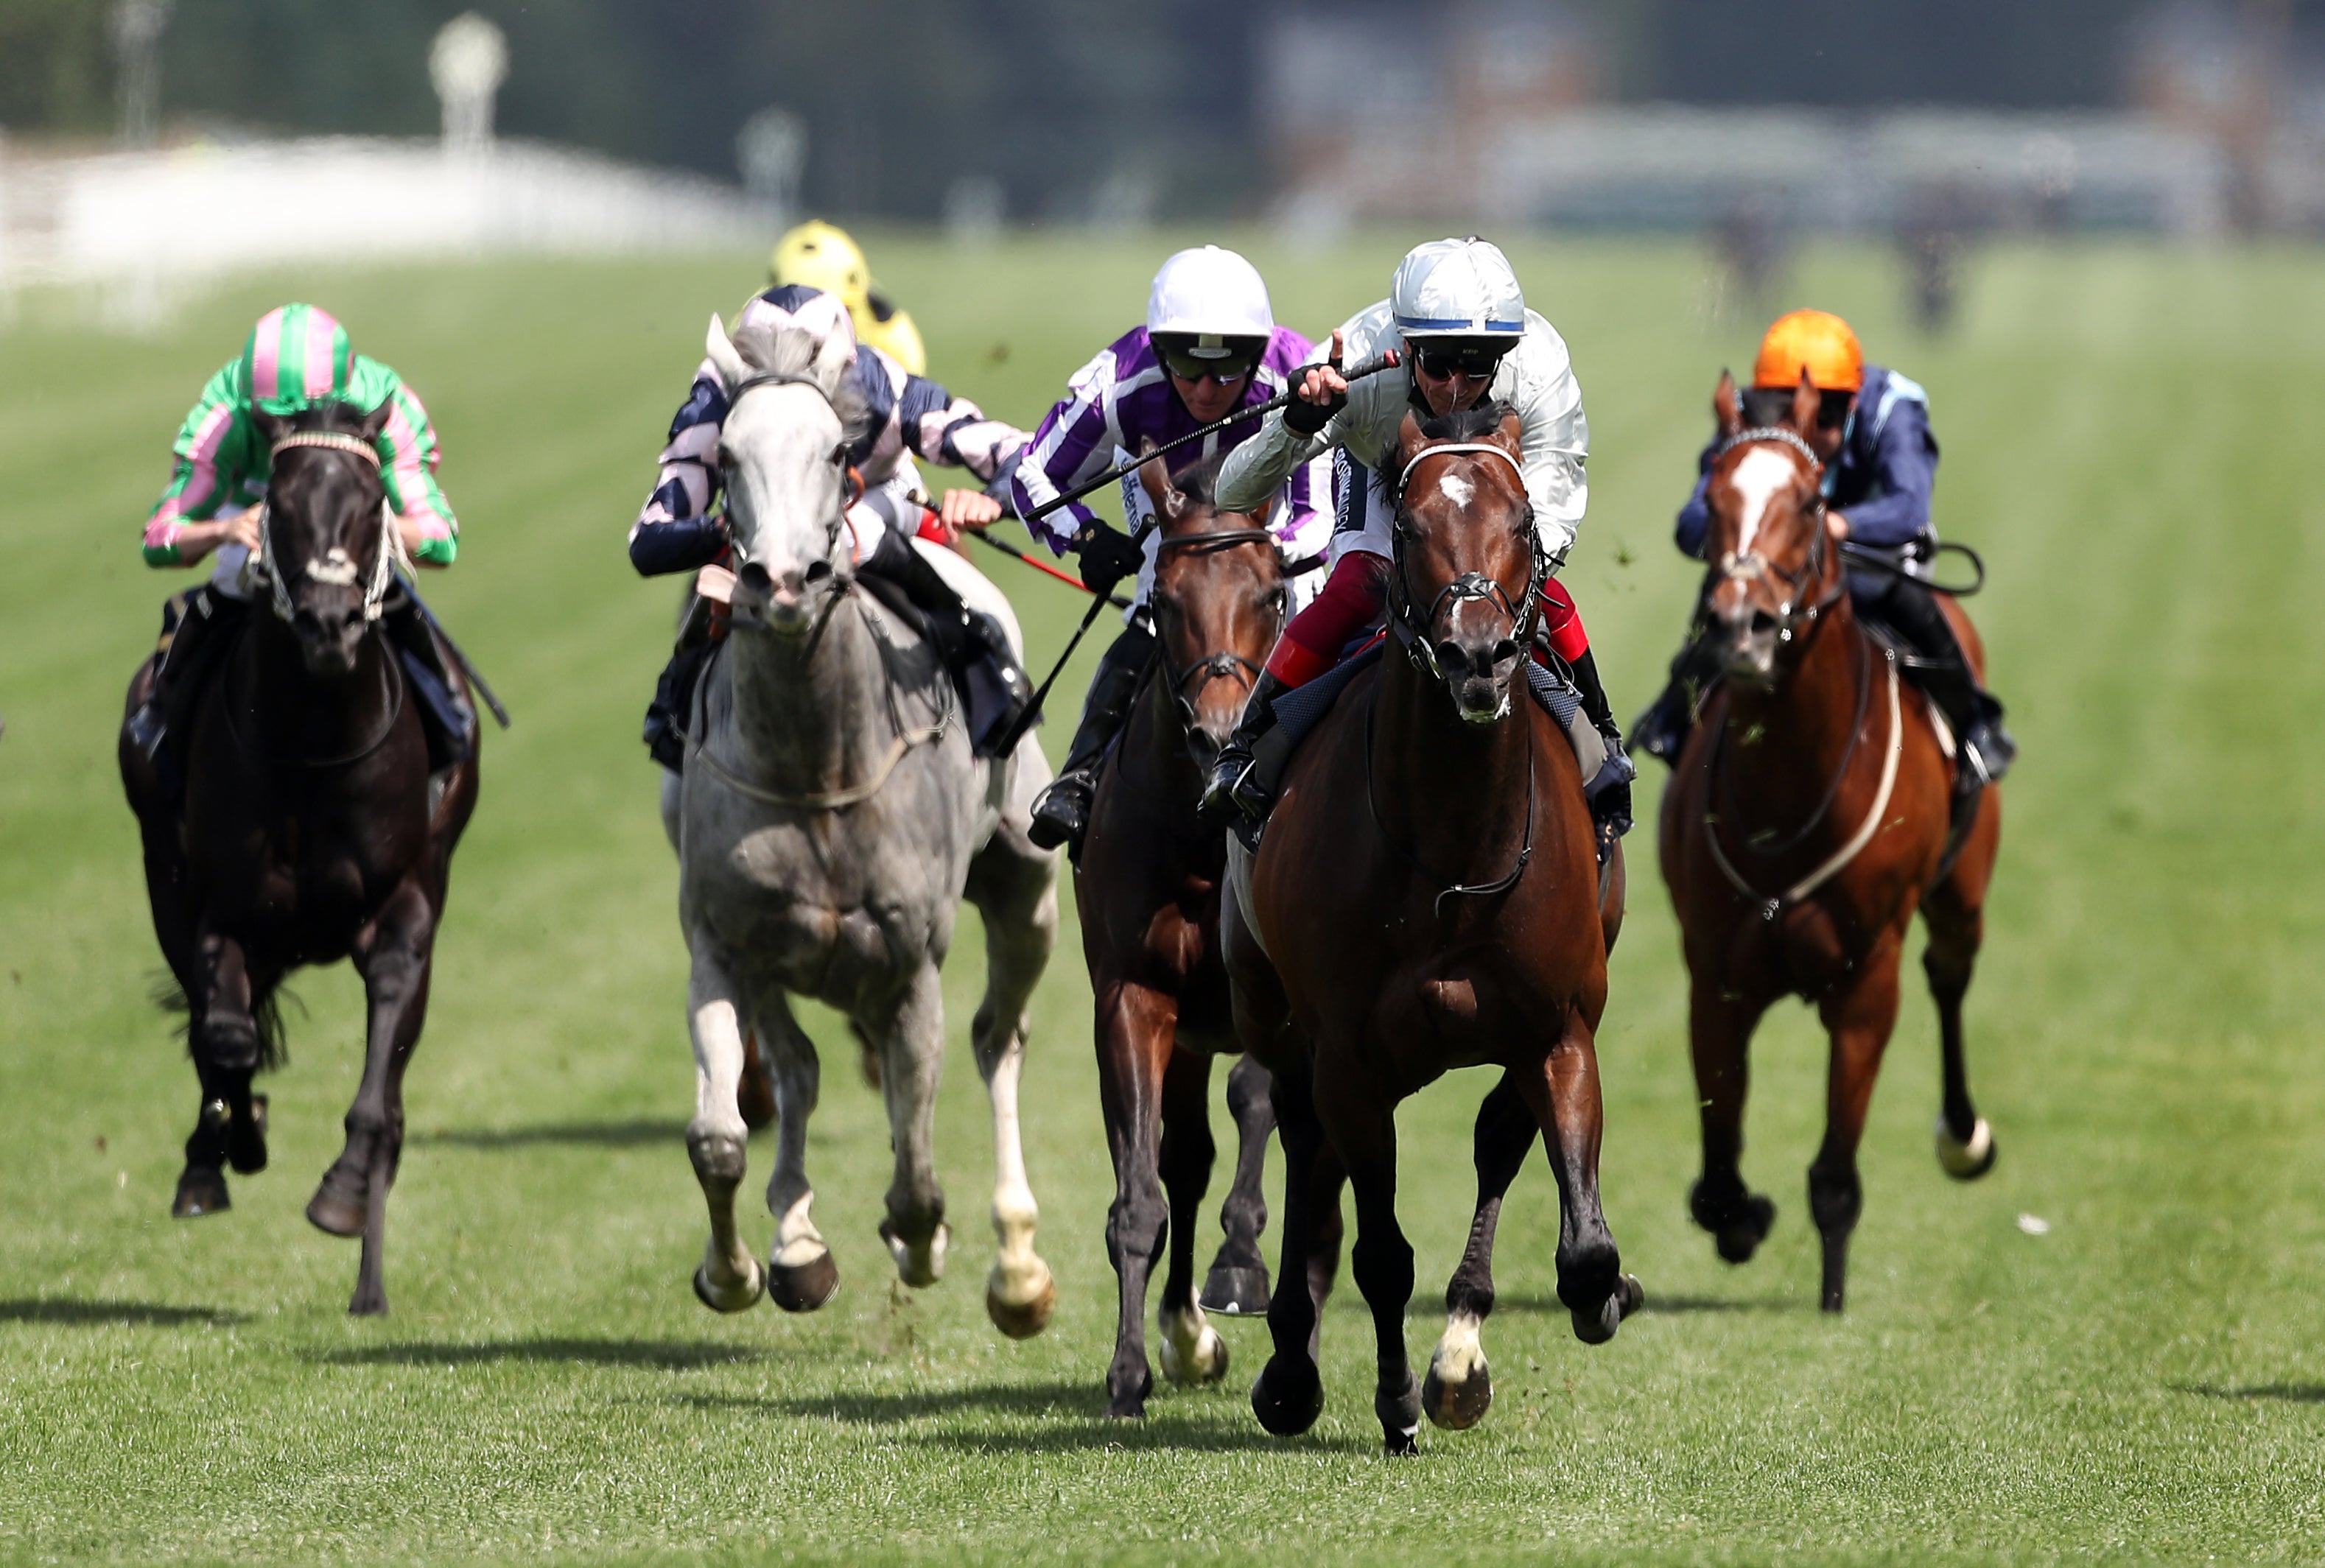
(1428, 763)
(810, 712)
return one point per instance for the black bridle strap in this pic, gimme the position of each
(1412, 636)
(1456, 890)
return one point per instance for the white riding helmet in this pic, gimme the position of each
(1457, 289)
(1210, 296)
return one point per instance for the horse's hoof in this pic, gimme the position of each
(201, 1190)
(1596, 1325)
(1634, 1295)
(1204, 1361)
(1400, 1419)
(336, 1213)
(1287, 1403)
(918, 1268)
(1401, 1444)
(1020, 1320)
(245, 1143)
(1966, 1160)
(802, 1286)
(1236, 1291)
(734, 1298)
(368, 1303)
(1737, 1229)
(1457, 1406)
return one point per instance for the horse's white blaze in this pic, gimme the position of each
(1763, 470)
(797, 1240)
(1192, 1350)
(1461, 1353)
(1457, 490)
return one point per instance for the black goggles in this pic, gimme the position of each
(1181, 359)
(1438, 358)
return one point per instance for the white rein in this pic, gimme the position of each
(334, 569)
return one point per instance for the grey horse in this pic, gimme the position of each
(831, 818)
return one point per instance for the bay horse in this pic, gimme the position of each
(310, 830)
(830, 820)
(1148, 888)
(1426, 896)
(1807, 820)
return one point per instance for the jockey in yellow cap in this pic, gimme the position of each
(820, 255)
(1872, 433)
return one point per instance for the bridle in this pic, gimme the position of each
(335, 570)
(1413, 632)
(1794, 618)
(841, 582)
(1223, 664)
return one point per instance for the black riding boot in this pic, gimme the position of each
(972, 644)
(1611, 806)
(1062, 814)
(449, 719)
(1663, 730)
(1935, 662)
(1251, 764)
(200, 627)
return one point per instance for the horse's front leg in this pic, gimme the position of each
(1014, 887)
(911, 1065)
(1360, 1116)
(1459, 1388)
(1288, 1394)
(1192, 1350)
(1135, 1026)
(1720, 1025)
(1858, 1016)
(393, 955)
(1562, 1092)
(1237, 1284)
(800, 1273)
(229, 1047)
(729, 1279)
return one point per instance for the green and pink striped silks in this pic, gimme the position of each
(297, 356)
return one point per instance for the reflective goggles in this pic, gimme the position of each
(1440, 357)
(1181, 359)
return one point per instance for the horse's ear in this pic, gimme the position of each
(376, 421)
(1258, 514)
(1513, 432)
(1805, 404)
(831, 357)
(1154, 478)
(271, 428)
(1726, 405)
(724, 356)
(1408, 439)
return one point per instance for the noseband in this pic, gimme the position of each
(793, 378)
(1413, 632)
(1223, 664)
(334, 569)
(1792, 617)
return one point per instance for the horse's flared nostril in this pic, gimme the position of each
(1453, 659)
(754, 577)
(1505, 652)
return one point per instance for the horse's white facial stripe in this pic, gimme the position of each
(1457, 490)
(1762, 472)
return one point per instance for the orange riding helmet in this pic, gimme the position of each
(1815, 341)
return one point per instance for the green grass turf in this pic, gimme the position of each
(2128, 434)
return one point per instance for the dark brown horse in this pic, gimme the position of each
(1148, 887)
(310, 832)
(1426, 896)
(1806, 821)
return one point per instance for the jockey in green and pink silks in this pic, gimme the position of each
(297, 356)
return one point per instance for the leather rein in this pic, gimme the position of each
(1794, 618)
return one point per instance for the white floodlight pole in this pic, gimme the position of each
(137, 26)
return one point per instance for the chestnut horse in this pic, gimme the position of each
(1807, 819)
(1426, 896)
(310, 830)
(1148, 887)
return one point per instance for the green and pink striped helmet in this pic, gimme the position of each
(297, 355)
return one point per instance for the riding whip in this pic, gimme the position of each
(1032, 714)
(1044, 567)
(467, 667)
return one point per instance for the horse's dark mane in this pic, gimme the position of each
(1198, 482)
(1468, 424)
(336, 414)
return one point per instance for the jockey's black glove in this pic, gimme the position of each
(1106, 558)
(1307, 417)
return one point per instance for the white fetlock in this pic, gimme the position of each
(1963, 1159)
(922, 1270)
(1192, 1350)
(742, 1285)
(1459, 1386)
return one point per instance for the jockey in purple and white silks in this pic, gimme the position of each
(298, 357)
(677, 531)
(1210, 345)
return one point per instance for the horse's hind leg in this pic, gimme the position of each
(1134, 1026)
(1562, 1092)
(912, 1064)
(1288, 1394)
(729, 1278)
(353, 1196)
(1955, 910)
(1015, 890)
(1238, 1285)
(1360, 1118)
(1192, 1350)
(1719, 1026)
(801, 1274)
(1859, 1018)
(1459, 1388)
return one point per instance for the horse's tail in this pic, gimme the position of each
(273, 1047)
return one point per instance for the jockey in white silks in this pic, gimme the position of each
(1459, 321)
(1210, 345)
(907, 416)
